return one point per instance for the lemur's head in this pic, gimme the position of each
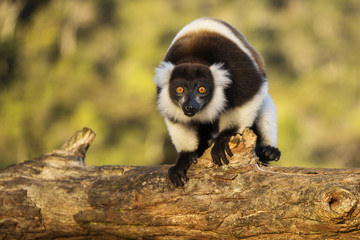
(191, 87)
(191, 91)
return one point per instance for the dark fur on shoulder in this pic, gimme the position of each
(207, 48)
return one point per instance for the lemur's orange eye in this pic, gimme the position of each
(179, 90)
(202, 89)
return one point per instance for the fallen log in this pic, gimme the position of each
(57, 196)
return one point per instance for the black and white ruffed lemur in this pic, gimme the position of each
(212, 85)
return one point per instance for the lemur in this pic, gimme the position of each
(212, 85)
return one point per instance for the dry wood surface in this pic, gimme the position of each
(57, 196)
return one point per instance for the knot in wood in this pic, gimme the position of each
(338, 204)
(79, 143)
(75, 148)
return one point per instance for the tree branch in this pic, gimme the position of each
(57, 196)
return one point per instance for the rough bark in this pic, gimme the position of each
(57, 196)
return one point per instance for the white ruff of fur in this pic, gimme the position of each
(210, 112)
(209, 24)
(163, 74)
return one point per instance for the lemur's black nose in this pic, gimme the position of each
(189, 108)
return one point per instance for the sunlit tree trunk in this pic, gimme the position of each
(58, 196)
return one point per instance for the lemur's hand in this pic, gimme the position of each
(221, 145)
(178, 171)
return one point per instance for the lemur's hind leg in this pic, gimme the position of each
(265, 129)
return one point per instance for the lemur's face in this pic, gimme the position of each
(191, 87)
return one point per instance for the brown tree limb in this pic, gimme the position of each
(56, 197)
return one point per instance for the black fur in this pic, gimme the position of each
(265, 153)
(205, 134)
(208, 48)
(221, 143)
(178, 171)
(257, 57)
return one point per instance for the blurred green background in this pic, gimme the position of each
(69, 64)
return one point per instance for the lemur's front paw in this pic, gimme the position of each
(175, 175)
(178, 171)
(221, 145)
(269, 153)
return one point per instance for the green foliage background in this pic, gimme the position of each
(69, 64)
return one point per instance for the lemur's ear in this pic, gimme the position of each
(163, 74)
(221, 76)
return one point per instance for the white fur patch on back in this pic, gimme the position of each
(210, 24)
(245, 115)
(210, 112)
